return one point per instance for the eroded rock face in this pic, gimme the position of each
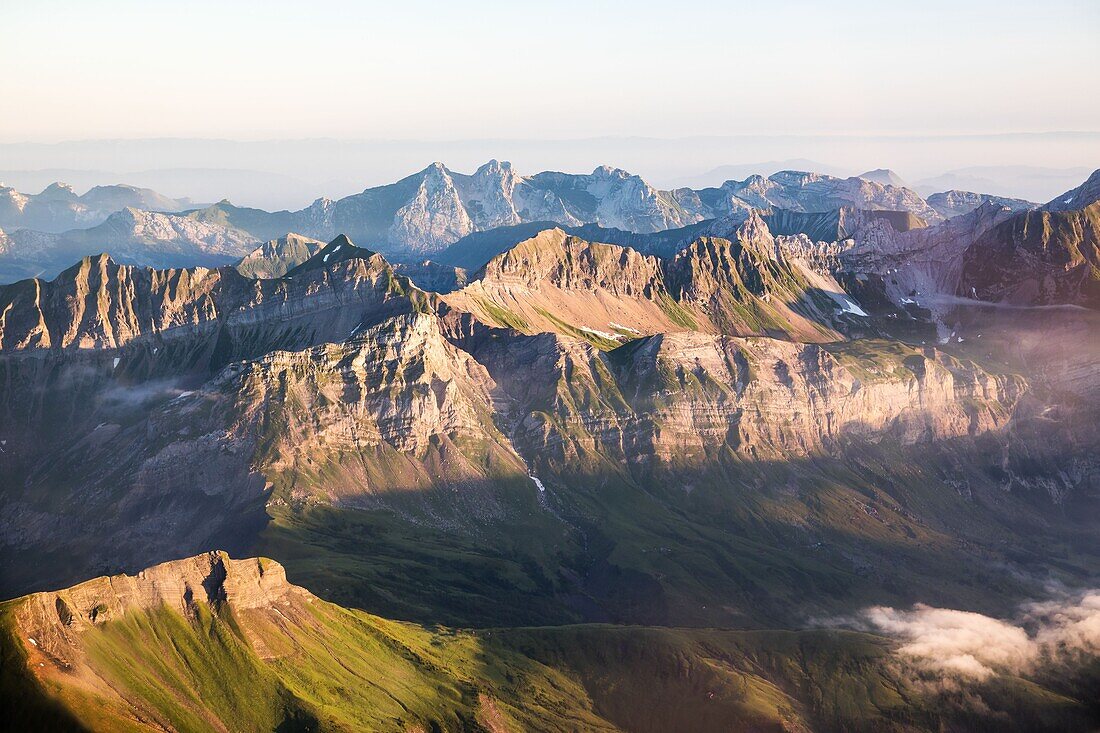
(684, 397)
(917, 264)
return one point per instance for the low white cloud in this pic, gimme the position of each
(976, 646)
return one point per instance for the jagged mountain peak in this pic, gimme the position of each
(494, 166)
(276, 257)
(885, 176)
(436, 168)
(340, 249)
(59, 191)
(608, 171)
(1077, 198)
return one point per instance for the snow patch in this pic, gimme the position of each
(325, 258)
(847, 305)
(31, 640)
(538, 484)
(115, 365)
(621, 327)
(602, 334)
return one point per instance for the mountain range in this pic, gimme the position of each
(421, 215)
(775, 468)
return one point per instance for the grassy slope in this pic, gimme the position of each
(318, 668)
(326, 668)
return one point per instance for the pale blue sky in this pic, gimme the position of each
(483, 68)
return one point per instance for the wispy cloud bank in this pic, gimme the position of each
(977, 646)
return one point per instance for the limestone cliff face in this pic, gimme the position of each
(210, 577)
(686, 397)
(766, 397)
(916, 265)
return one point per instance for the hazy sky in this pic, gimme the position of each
(483, 68)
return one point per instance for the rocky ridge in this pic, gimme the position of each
(743, 285)
(426, 212)
(99, 303)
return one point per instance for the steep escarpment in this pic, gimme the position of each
(395, 408)
(919, 264)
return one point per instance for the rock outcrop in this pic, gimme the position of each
(54, 620)
(609, 294)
